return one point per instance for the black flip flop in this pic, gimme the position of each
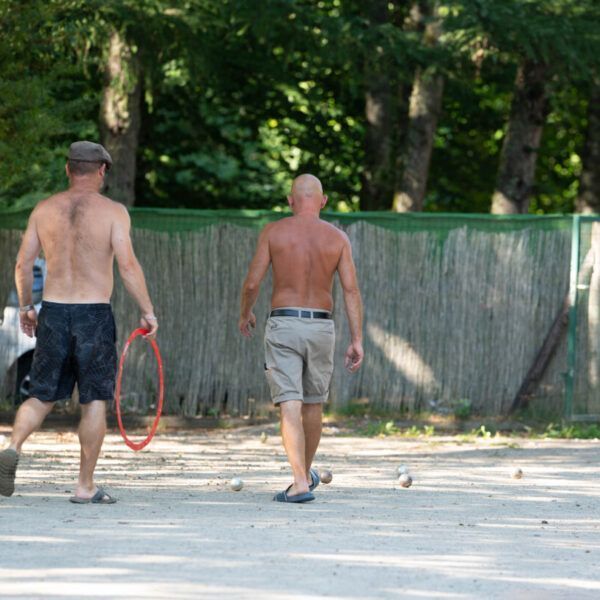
(9, 459)
(100, 497)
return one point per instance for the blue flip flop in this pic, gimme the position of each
(316, 480)
(297, 499)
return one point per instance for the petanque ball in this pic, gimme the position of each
(405, 480)
(236, 484)
(517, 473)
(326, 476)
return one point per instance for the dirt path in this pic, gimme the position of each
(465, 529)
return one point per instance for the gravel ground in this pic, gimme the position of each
(465, 529)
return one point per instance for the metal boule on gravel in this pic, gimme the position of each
(405, 480)
(517, 473)
(236, 484)
(326, 476)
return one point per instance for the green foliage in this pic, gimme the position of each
(573, 431)
(241, 96)
(389, 428)
(44, 101)
(463, 409)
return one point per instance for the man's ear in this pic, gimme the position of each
(290, 200)
(324, 201)
(67, 170)
(102, 170)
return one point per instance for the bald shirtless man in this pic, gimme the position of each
(305, 253)
(80, 232)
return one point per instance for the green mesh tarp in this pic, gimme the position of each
(179, 220)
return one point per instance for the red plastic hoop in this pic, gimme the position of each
(161, 385)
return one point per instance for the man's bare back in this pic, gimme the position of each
(305, 253)
(81, 233)
(76, 230)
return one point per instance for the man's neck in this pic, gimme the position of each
(84, 184)
(307, 214)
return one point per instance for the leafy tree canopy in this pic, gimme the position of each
(241, 96)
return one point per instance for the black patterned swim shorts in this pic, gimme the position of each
(75, 344)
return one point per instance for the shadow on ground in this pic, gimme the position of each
(465, 529)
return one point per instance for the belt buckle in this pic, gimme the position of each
(305, 314)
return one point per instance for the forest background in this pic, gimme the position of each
(458, 106)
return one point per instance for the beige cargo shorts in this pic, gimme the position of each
(299, 358)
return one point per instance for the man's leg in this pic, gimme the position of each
(92, 429)
(312, 424)
(292, 434)
(30, 416)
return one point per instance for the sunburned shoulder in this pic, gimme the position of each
(333, 233)
(51, 200)
(333, 229)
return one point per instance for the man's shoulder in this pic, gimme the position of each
(276, 225)
(110, 207)
(49, 203)
(118, 207)
(330, 226)
(334, 231)
(52, 199)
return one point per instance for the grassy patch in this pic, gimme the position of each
(572, 431)
(387, 428)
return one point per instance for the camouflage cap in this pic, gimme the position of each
(89, 152)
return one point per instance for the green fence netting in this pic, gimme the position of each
(456, 308)
(179, 220)
(583, 358)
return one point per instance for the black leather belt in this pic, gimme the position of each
(305, 314)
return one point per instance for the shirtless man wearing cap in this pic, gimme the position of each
(305, 253)
(80, 232)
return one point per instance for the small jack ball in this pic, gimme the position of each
(236, 484)
(517, 473)
(405, 480)
(326, 476)
(402, 469)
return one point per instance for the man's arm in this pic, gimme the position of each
(130, 269)
(28, 252)
(251, 288)
(354, 308)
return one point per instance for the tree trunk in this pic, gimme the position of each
(588, 199)
(424, 109)
(376, 185)
(558, 328)
(120, 118)
(516, 175)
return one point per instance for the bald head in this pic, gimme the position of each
(307, 195)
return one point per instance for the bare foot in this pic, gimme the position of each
(85, 492)
(297, 489)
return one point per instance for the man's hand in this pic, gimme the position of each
(245, 323)
(28, 321)
(354, 356)
(150, 322)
